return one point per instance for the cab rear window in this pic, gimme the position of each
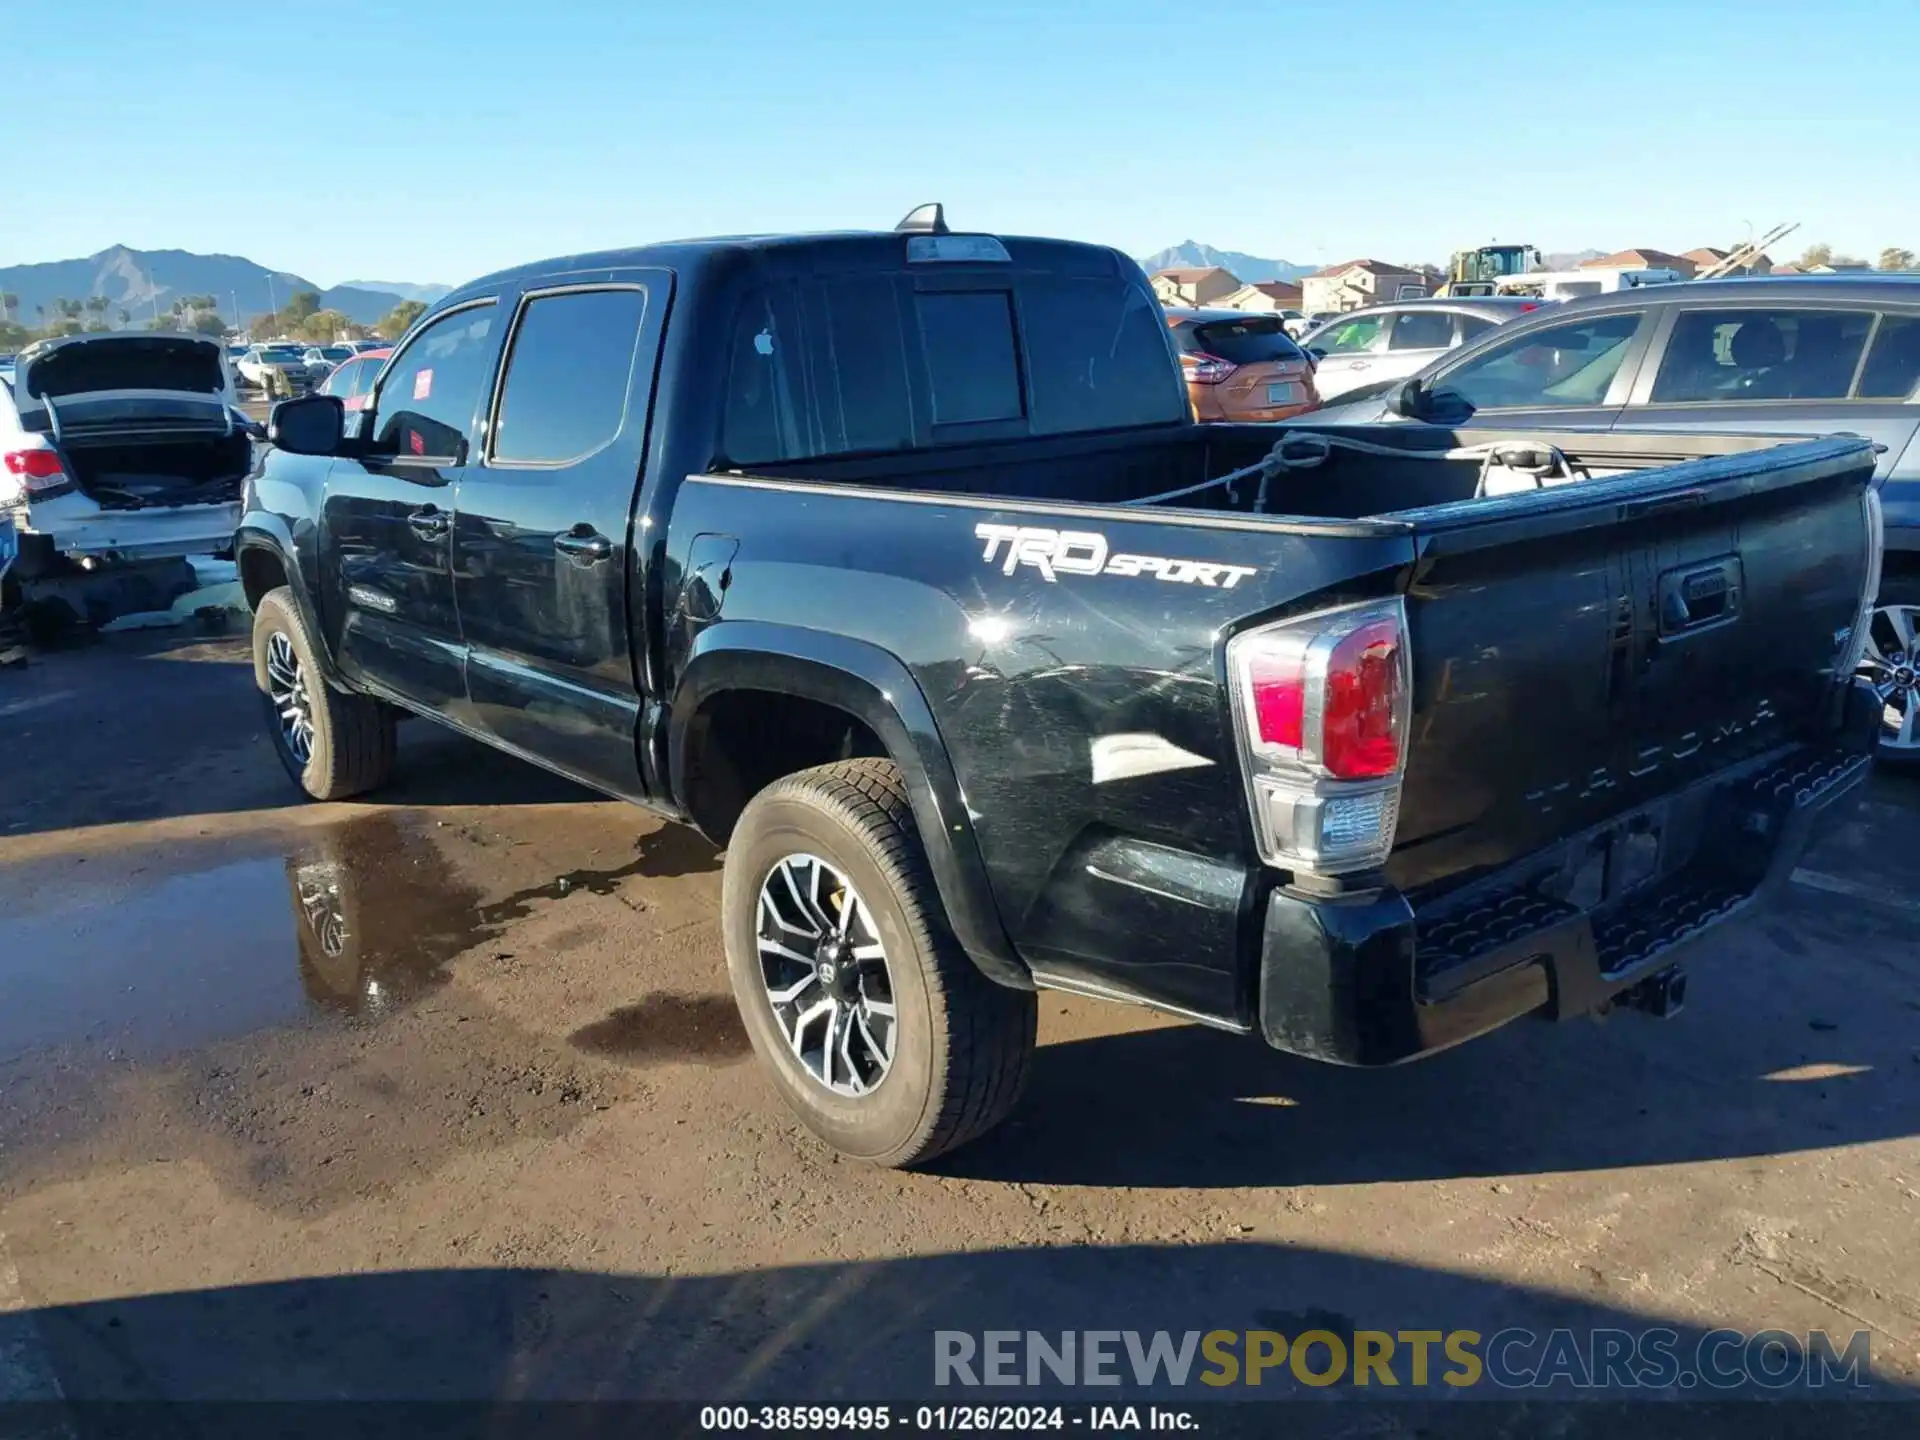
(861, 364)
(1243, 342)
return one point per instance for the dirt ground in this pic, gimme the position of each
(444, 1095)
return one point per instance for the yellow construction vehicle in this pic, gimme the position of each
(1477, 272)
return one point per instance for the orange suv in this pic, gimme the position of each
(1241, 366)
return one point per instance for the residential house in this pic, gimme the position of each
(1354, 283)
(1194, 284)
(1707, 256)
(1643, 258)
(1265, 297)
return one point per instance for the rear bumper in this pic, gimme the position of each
(1372, 980)
(155, 533)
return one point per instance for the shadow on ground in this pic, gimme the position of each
(853, 1333)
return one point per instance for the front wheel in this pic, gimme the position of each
(332, 743)
(1891, 664)
(876, 1028)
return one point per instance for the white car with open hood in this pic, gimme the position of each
(122, 447)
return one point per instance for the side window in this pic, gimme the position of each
(1421, 330)
(1570, 364)
(1349, 337)
(1472, 327)
(341, 381)
(426, 401)
(764, 403)
(1735, 355)
(1893, 364)
(971, 365)
(567, 377)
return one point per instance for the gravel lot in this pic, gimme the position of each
(507, 1141)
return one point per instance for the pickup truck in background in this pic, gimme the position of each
(896, 564)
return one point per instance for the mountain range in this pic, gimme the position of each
(142, 282)
(1251, 269)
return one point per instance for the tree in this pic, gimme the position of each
(1891, 258)
(164, 321)
(303, 304)
(208, 322)
(397, 321)
(125, 318)
(1813, 255)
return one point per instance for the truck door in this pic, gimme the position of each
(542, 544)
(387, 590)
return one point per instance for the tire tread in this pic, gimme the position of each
(985, 1029)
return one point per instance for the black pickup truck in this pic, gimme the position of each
(895, 563)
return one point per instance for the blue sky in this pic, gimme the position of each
(438, 139)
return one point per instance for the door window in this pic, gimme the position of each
(1752, 354)
(1893, 364)
(1569, 364)
(426, 400)
(1348, 337)
(567, 378)
(1472, 327)
(1421, 330)
(344, 380)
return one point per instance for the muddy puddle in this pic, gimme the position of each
(351, 920)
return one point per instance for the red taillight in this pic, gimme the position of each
(1207, 369)
(41, 472)
(1359, 725)
(1530, 305)
(34, 464)
(1322, 706)
(1278, 682)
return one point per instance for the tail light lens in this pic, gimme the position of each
(1321, 708)
(37, 472)
(1207, 369)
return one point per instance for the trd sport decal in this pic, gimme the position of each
(1084, 552)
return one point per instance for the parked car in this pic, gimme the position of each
(275, 367)
(984, 688)
(321, 360)
(352, 380)
(119, 447)
(1788, 355)
(1241, 366)
(1384, 342)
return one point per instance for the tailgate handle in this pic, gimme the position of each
(1698, 596)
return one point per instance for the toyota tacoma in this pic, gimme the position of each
(896, 564)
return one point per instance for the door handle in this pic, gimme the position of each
(583, 545)
(1360, 364)
(428, 522)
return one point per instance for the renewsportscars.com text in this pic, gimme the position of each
(1652, 1359)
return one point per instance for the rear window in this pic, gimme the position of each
(967, 338)
(1893, 364)
(867, 363)
(1243, 342)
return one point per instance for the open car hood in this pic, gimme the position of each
(93, 383)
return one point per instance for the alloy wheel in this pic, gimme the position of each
(825, 973)
(291, 698)
(1891, 664)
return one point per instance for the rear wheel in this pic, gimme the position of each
(1891, 663)
(332, 743)
(877, 1029)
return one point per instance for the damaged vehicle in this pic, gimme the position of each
(120, 456)
(993, 672)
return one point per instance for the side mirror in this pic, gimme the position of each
(311, 425)
(1408, 401)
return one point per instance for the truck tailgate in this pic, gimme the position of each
(1581, 651)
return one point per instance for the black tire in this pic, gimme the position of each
(962, 1043)
(1897, 590)
(353, 735)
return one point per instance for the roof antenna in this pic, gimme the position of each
(928, 219)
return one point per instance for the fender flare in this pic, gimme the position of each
(269, 534)
(876, 688)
